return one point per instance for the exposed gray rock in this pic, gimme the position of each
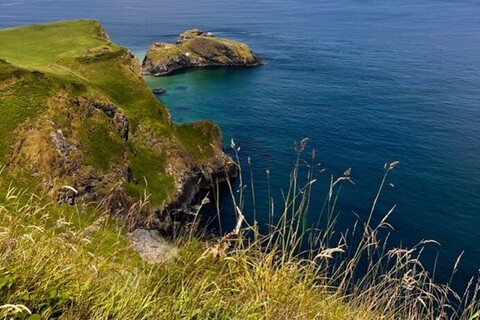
(62, 146)
(118, 118)
(108, 108)
(190, 34)
(122, 125)
(151, 246)
(67, 194)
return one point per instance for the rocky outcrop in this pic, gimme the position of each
(115, 116)
(90, 131)
(64, 164)
(196, 48)
(192, 183)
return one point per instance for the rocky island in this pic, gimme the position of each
(196, 48)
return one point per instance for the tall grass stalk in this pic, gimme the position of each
(358, 267)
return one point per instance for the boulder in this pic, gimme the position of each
(159, 91)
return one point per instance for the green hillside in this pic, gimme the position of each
(75, 111)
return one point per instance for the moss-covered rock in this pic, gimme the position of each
(196, 48)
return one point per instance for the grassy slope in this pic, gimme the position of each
(75, 54)
(16, 103)
(63, 266)
(39, 47)
(71, 265)
(54, 49)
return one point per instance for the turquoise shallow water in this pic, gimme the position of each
(367, 81)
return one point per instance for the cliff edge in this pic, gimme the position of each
(78, 120)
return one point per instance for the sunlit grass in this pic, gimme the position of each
(47, 43)
(53, 267)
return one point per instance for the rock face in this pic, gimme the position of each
(196, 48)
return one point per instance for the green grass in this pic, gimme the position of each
(198, 138)
(104, 146)
(82, 57)
(75, 263)
(75, 50)
(39, 47)
(149, 170)
(121, 85)
(53, 266)
(25, 98)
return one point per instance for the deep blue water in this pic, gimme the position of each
(368, 82)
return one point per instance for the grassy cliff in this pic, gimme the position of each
(76, 112)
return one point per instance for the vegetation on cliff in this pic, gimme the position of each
(78, 119)
(63, 266)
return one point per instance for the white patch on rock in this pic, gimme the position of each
(60, 142)
(151, 246)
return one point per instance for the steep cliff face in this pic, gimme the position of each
(78, 120)
(196, 48)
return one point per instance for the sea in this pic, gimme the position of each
(368, 82)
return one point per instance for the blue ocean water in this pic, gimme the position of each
(368, 82)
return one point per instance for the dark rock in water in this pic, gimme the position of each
(159, 91)
(196, 48)
(181, 88)
(177, 217)
(182, 109)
